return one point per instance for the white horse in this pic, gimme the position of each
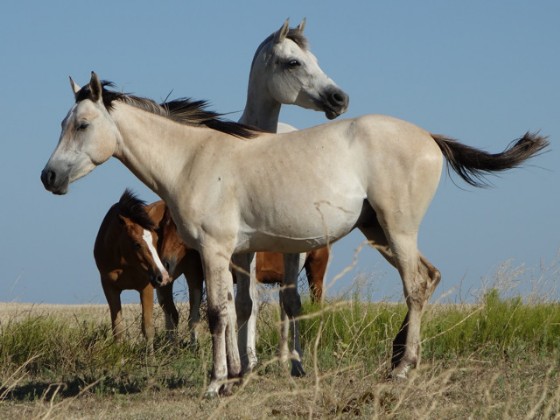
(302, 190)
(283, 71)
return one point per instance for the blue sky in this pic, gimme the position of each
(479, 71)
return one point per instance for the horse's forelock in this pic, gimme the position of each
(294, 34)
(108, 95)
(297, 36)
(132, 207)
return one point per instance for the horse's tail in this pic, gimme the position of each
(473, 164)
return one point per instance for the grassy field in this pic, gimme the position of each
(497, 358)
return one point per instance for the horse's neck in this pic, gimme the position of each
(153, 148)
(261, 109)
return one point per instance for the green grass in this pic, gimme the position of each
(503, 342)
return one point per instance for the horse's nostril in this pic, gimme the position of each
(48, 177)
(338, 98)
(166, 264)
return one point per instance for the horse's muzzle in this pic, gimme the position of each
(53, 183)
(160, 279)
(335, 103)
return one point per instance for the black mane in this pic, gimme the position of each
(184, 111)
(132, 207)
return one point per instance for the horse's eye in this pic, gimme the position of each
(293, 64)
(137, 245)
(82, 126)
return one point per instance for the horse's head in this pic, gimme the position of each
(171, 247)
(290, 73)
(140, 250)
(88, 138)
(138, 239)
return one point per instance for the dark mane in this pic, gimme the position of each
(133, 208)
(187, 111)
(183, 111)
(293, 34)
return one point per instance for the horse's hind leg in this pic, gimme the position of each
(315, 268)
(420, 279)
(291, 303)
(417, 297)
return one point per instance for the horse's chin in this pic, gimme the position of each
(58, 189)
(331, 115)
(60, 192)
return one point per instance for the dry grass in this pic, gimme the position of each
(343, 381)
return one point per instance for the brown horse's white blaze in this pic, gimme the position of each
(374, 173)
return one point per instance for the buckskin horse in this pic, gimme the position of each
(374, 172)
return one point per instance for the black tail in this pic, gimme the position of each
(473, 165)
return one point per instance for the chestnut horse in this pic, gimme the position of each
(126, 257)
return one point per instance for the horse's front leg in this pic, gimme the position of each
(113, 296)
(147, 303)
(247, 308)
(291, 303)
(165, 299)
(222, 321)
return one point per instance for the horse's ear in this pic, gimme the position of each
(280, 35)
(124, 221)
(301, 26)
(95, 87)
(75, 87)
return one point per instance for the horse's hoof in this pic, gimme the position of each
(399, 374)
(210, 395)
(227, 390)
(214, 389)
(297, 369)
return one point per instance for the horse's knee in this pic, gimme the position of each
(217, 319)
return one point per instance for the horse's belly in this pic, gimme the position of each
(301, 228)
